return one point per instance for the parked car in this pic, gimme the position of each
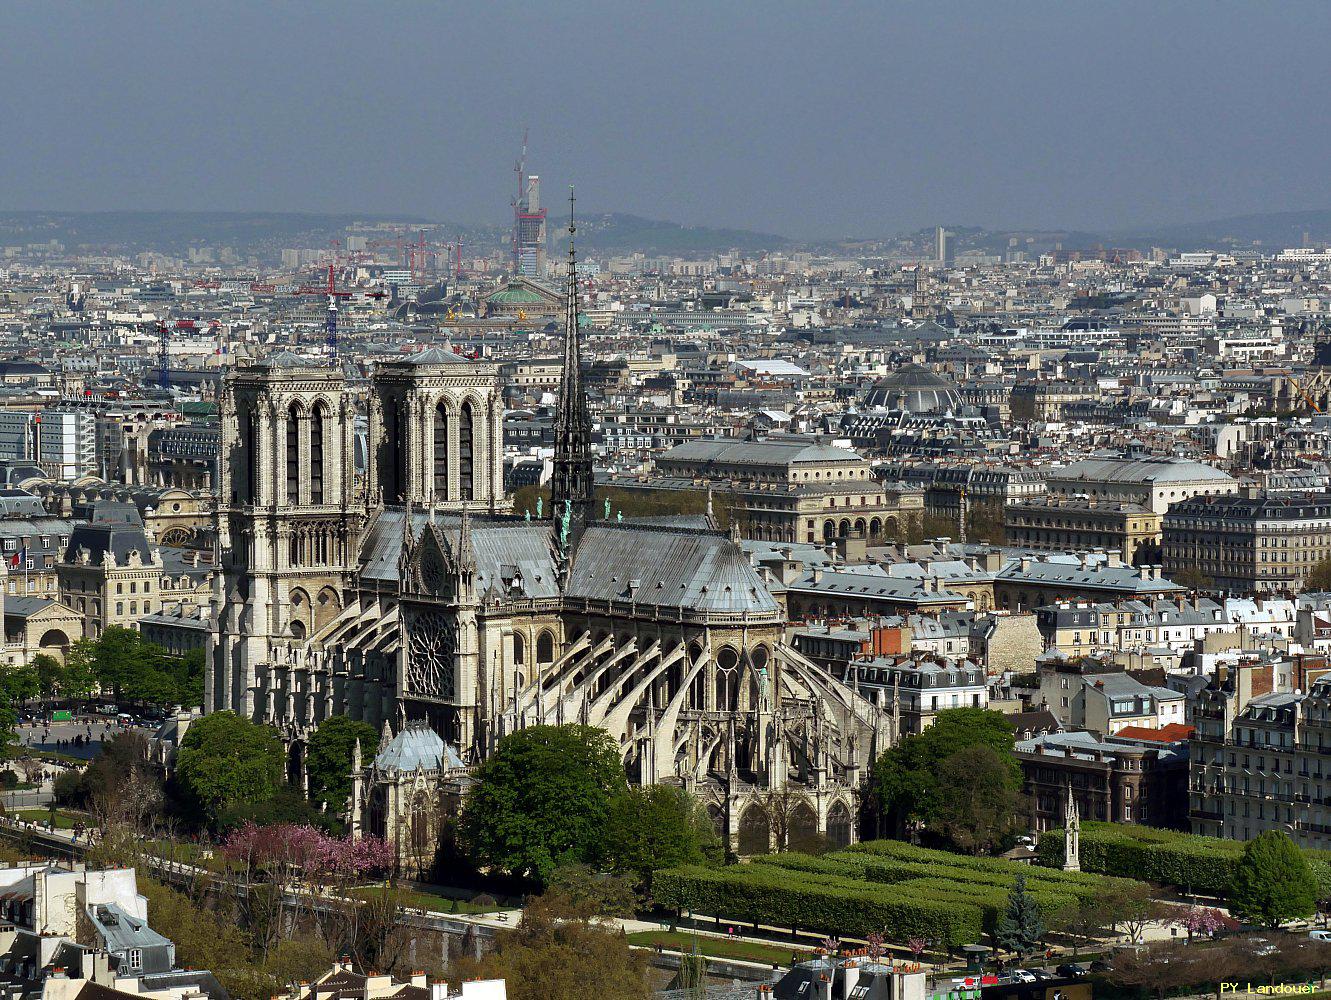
(1023, 976)
(1071, 970)
(1263, 947)
(1102, 965)
(1320, 935)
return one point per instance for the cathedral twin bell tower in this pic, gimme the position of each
(294, 502)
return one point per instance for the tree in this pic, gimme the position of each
(543, 799)
(134, 669)
(1319, 577)
(19, 684)
(1134, 905)
(77, 679)
(1020, 929)
(981, 803)
(560, 951)
(286, 805)
(600, 894)
(50, 671)
(1272, 882)
(1083, 918)
(1193, 579)
(328, 759)
(784, 809)
(1203, 920)
(905, 783)
(658, 827)
(226, 760)
(119, 786)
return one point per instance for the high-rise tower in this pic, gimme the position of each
(571, 485)
(528, 221)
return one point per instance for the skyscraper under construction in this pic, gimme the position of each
(528, 221)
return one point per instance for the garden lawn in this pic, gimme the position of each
(63, 820)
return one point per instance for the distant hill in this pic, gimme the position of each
(615, 232)
(1268, 230)
(175, 232)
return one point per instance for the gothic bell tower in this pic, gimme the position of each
(436, 433)
(288, 519)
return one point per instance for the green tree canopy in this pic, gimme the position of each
(1020, 928)
(78, 677)
(1272, 882)
(658, 827)
(560, 951)
(1319, 577)
(49, 671)
(131, 668)
(328, 759)
(226, 761)
(981, 802)
(18, 684)
(543, 799)
(909, 781)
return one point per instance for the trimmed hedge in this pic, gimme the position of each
(898, 889)
(1187, 861)
(765, 894)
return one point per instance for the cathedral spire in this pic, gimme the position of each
(571, 485)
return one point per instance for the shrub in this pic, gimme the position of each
(1187, 861)
(901, 890)
(765, 894)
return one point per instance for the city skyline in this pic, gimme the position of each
(860, 121)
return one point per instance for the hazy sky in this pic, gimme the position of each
(808, 119)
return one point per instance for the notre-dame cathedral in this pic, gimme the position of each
(410, 596)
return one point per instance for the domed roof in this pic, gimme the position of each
(915, 389)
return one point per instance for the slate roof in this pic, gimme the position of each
(98, 539)
(1141, 470)
(697, 570)
(432, 356)
(286, 359)
(731, 452)
(122, 930)
(875, 586)
(677, 565)
(1084, 745)
(417, 747)
(26, 607)
(524, 545)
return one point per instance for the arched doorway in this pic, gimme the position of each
(54, 638)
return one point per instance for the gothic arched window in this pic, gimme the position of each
(465, 452)
(250, 430)
(441, 451)
(293, 454)
(317, 454)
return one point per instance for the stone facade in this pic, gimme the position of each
(413, 598)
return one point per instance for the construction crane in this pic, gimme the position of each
(334, 293)
(421, 252)
(164, 349)
(1304, 393)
